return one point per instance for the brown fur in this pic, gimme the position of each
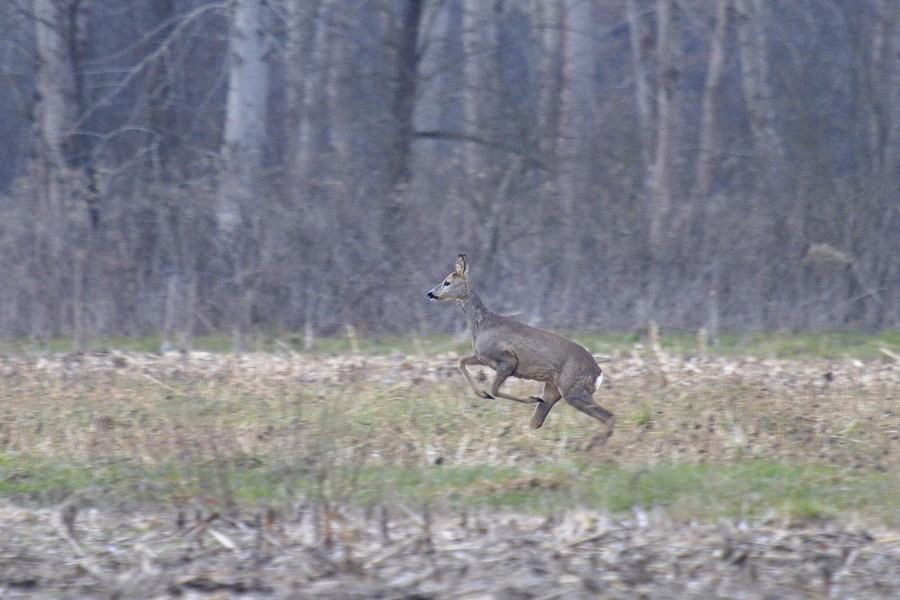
(513, 348)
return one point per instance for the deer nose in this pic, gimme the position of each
(432, 296)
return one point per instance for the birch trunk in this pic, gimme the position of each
(245, 111)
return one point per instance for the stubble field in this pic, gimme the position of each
(286, 474)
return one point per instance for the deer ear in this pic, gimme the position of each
(462, 265)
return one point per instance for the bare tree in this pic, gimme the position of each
(710, 111)
(576, 115)
(884, 79)
(242, 151)
(551, 22)
(404, 103)
(479, 39)
(314, 143)
(163, 147)
(753, 46)
(245, 110)
(66, 172)
(663, 175)
(237, 164)
(642, 58)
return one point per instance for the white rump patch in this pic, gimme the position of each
(598, 382)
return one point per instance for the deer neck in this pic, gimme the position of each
(474, 311)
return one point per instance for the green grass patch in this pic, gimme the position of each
(749, 490)
(762, 344)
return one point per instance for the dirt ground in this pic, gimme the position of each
(840, 413)
(55, 554)
(314, 553)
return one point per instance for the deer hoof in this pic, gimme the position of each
(599, 440)
(486, 395)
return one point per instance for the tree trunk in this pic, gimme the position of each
(881, 77)
(663, 177)
(56, 84)
(641, 38)
(242, 146)
(710, 134)
(448, 156)
(551, 23)
(576, 122)
(394, 217)
(451, 77)
(163, 149)
(303, 20)
(314, 142)
(62, 157)
(245, 112)
(405, 93)
(758, 91)
(479, 39)
(884, 134)
(553, 36)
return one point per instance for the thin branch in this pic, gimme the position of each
(147, 60)
(475, 139)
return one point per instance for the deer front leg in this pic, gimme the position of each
(505, 368)
(473, 360)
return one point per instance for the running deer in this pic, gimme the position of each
(511, 348)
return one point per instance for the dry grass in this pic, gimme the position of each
(266, 423)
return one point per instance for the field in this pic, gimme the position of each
(363, 469)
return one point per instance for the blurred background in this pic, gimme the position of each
(184, 167)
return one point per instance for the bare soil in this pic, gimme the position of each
(336, 553)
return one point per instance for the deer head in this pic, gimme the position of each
(455, 285)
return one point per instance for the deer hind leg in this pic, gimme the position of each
(549, 397)
(584, 401)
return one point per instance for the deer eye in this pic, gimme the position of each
(446, 283)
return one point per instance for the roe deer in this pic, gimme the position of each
(567, 370)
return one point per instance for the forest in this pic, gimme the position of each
(184, 167)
